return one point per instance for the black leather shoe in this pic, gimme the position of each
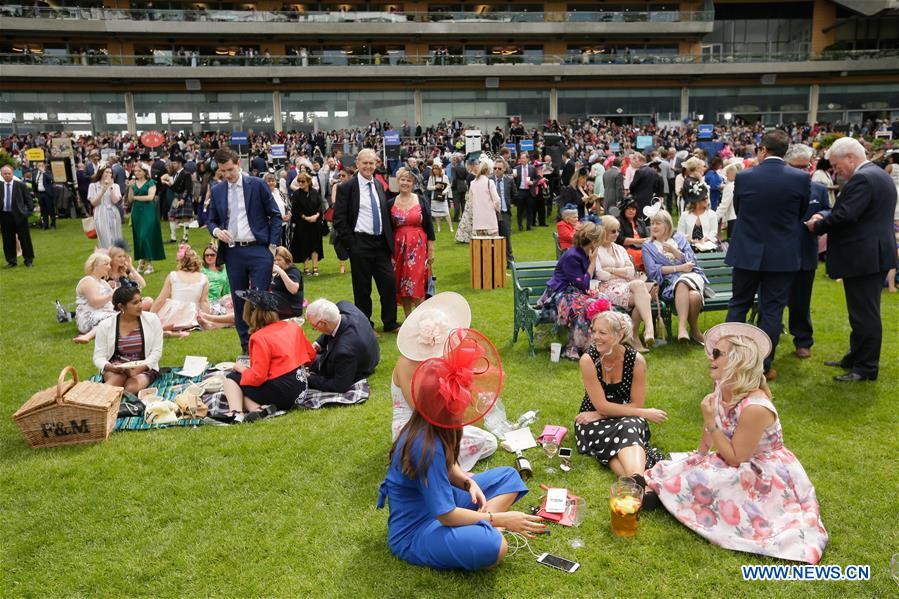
(853, 377)
(11, 264)
(835, 364)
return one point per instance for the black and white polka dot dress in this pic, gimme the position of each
(603, 439)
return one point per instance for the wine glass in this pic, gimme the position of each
(576, 509)
(550, 448)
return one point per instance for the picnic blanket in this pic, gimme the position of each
(314, 399)
(165, 387)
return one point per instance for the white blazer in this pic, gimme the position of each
(108, 332)
(726, 210)
(708, 221)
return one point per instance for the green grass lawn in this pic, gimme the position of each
(286, 507)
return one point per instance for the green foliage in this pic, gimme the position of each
(828, 139)
(6, 158)
(285, 507)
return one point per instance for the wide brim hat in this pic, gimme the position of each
(653, 209)
(425, 331)
(737, 329)
(460, 386)
(262, 299)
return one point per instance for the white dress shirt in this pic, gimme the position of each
(365, 223)
(238, 223)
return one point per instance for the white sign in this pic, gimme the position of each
(472, 141)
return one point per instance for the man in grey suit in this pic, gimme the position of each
(504, 185)
(613, 181)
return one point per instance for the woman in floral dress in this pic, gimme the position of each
(413, 243)
(742, 490)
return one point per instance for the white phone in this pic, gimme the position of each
(559, 563)
(565, 452)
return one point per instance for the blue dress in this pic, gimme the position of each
(414, 533)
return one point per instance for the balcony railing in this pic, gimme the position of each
(352, 16)
(398, 59)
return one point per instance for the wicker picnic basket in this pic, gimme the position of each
(70, 412)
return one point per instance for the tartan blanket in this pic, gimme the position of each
(165, 387)
(314, 399)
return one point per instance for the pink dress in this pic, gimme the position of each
(766, 505)
(616, 288)
(410, 251)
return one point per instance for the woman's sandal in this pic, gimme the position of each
(315, 272)
(263, 412)
(306, 271)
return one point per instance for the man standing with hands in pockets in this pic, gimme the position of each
(245, 219)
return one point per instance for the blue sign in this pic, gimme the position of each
(278, 151)
(238, 138)
(706, 131)
(391, 137)
(615, 146)
(644, 141)
(526, 145)
(511, 148)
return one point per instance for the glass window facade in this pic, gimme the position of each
(577, 103)
(858, 97)
(344, 109)
(25, 112)
(486, 108)
(205, 111)
(751, 104)
(760, 37)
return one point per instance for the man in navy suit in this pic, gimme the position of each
(347, 350)
(42, 185)
(504, 185)
(860, 250)
(800, 156)
(245, 219)
(362, 221)
(770, 201)
(525, 178)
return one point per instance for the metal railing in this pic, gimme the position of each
(352, 16)
(400, 59)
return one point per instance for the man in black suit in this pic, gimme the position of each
(17, 206)
(504, 185)
(347, 348)
(568, 167)
(459, 186)
(362, 221)
(646, 183)
(800, 156)
(860, 249)
(525, 177)
(42, 184)
(770, 201)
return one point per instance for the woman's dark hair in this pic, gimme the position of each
(123, 295)
(99, 174)
(716, 162)
(417, 425)
(823, 164)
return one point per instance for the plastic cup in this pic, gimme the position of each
(625, 499)
(555, 352)
(594, 284)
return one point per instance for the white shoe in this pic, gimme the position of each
(193, 225)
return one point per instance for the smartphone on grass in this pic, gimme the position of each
(559, 563)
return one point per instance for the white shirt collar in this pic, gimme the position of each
(860, 165)
(239, 182)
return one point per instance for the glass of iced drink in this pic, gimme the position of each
(625, 499)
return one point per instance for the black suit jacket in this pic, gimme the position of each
(508, 185)
(860, 239)
(567, 172)
(460, 182)
(350, 355)
(182, 186)
(48, 181)
(646, 184)
(22, 203)
(346, 213)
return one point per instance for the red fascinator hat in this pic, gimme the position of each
(461, 386)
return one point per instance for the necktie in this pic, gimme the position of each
(375, 210)
(7, 202)
(502, 198)
(524, 177)
(232, 210)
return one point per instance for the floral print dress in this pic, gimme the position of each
(766, 505)
(410, 253)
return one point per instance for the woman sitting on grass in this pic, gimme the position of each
(221, 309)
(123, 274)
(612, 424)
(275, 379)
(132, 335)
(441, 517)
(742, 489)
(183, 296)
(93, 296)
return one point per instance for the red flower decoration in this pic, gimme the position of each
(600, 305)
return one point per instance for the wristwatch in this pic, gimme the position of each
(711, 429)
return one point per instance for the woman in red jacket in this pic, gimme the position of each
(275, 378)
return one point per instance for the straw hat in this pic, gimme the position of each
(733, 329)
(424, 332)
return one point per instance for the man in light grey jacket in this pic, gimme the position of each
(613, 182)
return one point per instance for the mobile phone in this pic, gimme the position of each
(559, 563)
(565, 453)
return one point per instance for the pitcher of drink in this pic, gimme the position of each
(625, 499)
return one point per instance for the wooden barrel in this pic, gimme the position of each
(488, 262)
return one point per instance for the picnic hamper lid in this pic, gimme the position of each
(71, 392)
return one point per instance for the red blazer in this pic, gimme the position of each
(566, 232)
(275, 350)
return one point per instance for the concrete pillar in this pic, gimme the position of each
(553, 104)
(276, 111)
(824, 15)
(684, 103)
(129, 112)
(813, 90)
(416, 101)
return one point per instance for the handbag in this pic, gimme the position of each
(553, 433)
(87, 225)
(329, 215)
(326, 230)
(432, 287)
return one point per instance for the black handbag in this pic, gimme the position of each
(326, 230)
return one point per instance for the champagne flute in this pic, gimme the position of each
(577, 511)
(550, 448)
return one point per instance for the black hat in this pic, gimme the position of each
(695, 190)
(261, 299)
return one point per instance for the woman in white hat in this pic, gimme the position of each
(742, 489)
(423, 336)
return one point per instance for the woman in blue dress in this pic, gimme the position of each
(440, 516)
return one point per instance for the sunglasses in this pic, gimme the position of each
(209, 255)
(716, 353)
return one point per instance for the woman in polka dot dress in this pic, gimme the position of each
(612, 424)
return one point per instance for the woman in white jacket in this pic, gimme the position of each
(725, 212)
(128, 346)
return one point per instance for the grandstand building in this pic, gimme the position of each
(116, 65)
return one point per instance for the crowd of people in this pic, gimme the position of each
(770, 191)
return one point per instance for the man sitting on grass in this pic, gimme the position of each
(347, 348)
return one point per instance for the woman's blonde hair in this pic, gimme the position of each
(92, 260)
(483, 169)
(692, 164)
(745, 370)
(619, 323)
(116, 251)
(283, 252)
(664, 218)
(190, 261)
(586, 234)
(404, 173)
(733, 168)
(608, 224)
(257, 318)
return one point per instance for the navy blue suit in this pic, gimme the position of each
(860, 249)
(45, 198)
(770, 201)
(247, 266)
(799, 306)
(349, 356)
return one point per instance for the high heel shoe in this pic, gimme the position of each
(649, 342)
(315, 272)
